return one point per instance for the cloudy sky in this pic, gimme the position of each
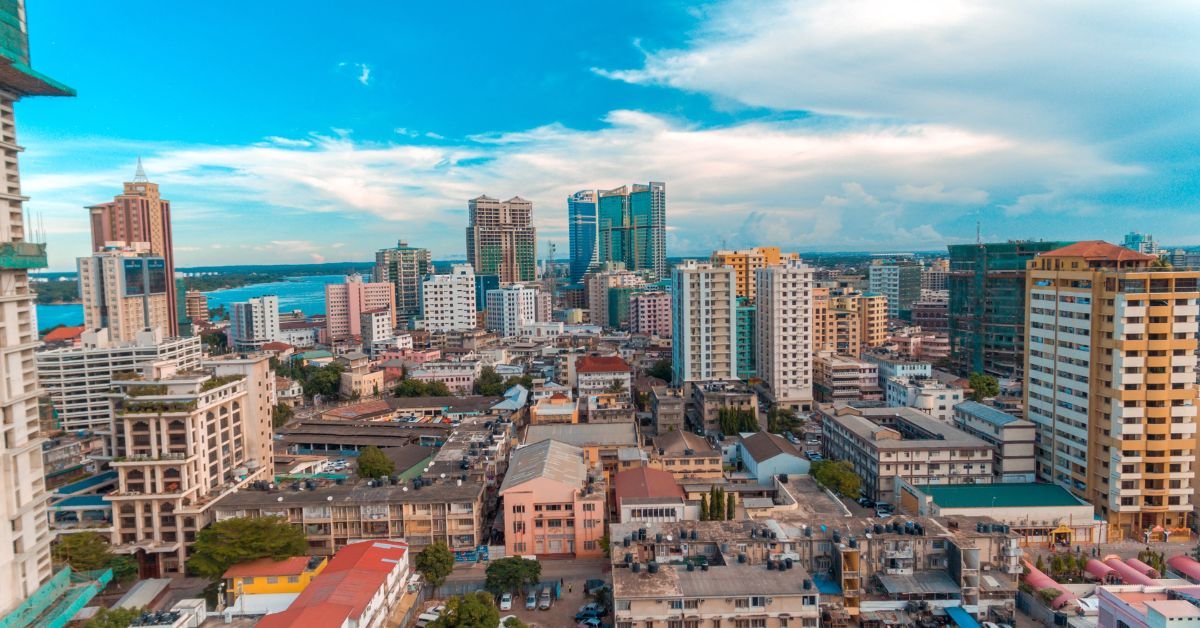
(315, 131)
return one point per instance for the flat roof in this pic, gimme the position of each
(442, 491)
(989, 414)
(927, 582)
(1000, 495)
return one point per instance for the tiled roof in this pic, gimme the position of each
(293, 566)
(63, 333)
(1099, 250)
(602, 364)
(763, 446)
(646, 482)
(276, 346)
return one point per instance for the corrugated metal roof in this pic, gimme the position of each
(550, 459)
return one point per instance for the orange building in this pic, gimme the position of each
(554, 505)
(746, 261)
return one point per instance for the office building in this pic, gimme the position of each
(582, 234)
(747, 262)
(1012, 438)
(554, 502)
(631, 224)
(196, 307)
(783, 333)
(933, 276)
(650, 313)
(24, 537)
(1141, 242)
(345, 302)
(404, 267)
(484, 283)
(1110, 382)
(986, 314)
(745, 330)
(501, 239)
(448, 301)
(704, 346)
(510, 308)
(599, 285)
(125, 291)
(900, 281)
(254, 323)
(928, 395)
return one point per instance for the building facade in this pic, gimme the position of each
(844, 378)
(746, 263)
(783, 333)
(346, 302)
(1012, 438)
(510, 308)
(126, 291)
(196, 307)
(254, 323)
(597, 375)
(650, 313)
(745, 324)
(554, 505)
(631, 224)
(404, 267)
(928, 395)
(704, 346)
(582, 233)
(900, 282)
(448, 301)
(501, 239)
(599, 285)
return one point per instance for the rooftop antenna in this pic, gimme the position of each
(139, 175)
(978, 230)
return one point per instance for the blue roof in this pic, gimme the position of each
(78, 501)
(983, 412)
(961, 617)
(826, 585)
(87, 483)
(514, 399)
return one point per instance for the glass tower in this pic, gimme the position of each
(581, 219)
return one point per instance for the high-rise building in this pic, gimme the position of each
(746, 262)
(484, 283)
(745, 322)
(254, 323)
(510, 308)
(126, 291)
(404, 267)
(650, 313)
(704, 341)
(846, 321)
(599, 283)
(1110, 382)
(986, 313)
(501, 239)
(1141, 242)
(631, 224)
(24, 537)
(448, 301)
(196, 307)
(136, 215)
(900, 281)
(581, 225)
(784, 338)
(345, 303)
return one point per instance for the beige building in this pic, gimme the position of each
(261, 397)
(598, 283)
(747, 262)
(847, 321)
(667, 406)
(196, 306)
(704, 342)
(686, 456)
(843, 378)
(1110, 382)
(557, 408)
(1012, 437)
(783, 333)
(710, 398)
(125, 290)
(501, 239)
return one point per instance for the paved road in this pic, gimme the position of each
(551, 569)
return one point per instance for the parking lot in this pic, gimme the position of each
(560, 615)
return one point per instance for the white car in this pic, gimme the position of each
(506, 602)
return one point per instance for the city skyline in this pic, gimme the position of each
(822, 165)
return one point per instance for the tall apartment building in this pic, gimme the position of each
(125, 291)
(631, 226)
(404, 267)
(501, 239)
(1110, 381)
(254, 323)
(599, 284)
(79, 380)
(846, 321)
(346, 302)
(783, 332)
(650, 313)
(196, 307)
(183, 440)
(24, 537)
(510, 308)
(582, 234)
(261, 397)
(704, 342)
(448, 301)
(139, 215)
(986, 314)
(747, 262)
(900, 282)
(745, 326)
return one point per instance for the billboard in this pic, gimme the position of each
(145, 275)
(135, 277)
(156, 270)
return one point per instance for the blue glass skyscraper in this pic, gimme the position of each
(581, 219)
(627, 224)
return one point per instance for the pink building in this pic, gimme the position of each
(346, 302)
(650, 313)
(550, 507)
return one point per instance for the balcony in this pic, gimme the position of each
(22, 255)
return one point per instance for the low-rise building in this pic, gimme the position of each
(650, 495)
(667, 408)
(289, 391)
(557, 408)
(1148, 606)
(268, 585)
(600, 442)
(686, 456)
(607, 408)
(928, 395)
(845, 378)
(1014, 439)
(709, 399)
(459, 377)
(554, 502)
(597, 375)
(895, 365)
(766, 456)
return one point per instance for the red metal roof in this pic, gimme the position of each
(602, 364)
(61, 334)
(268, 567)
(644, 482)
(1099, 250)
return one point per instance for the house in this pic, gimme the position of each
(766, 455)
(557, 408)
(649, 495)
(554, 505)
(686, 456)
(270, 585)
(289, 391)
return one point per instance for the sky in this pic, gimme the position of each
(308, 131)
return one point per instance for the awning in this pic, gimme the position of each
(961, 617)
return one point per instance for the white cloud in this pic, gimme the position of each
(937, 193)
(363, 70)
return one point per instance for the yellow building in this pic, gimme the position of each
(557, 408)
(1110, 382)
(266, 576)
(745, 262)
(846, 321)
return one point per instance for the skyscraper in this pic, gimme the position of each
(581, 224)
(704, 343)
(126, 291)
(24, 535)
(631, 223)
(501, 239)
(139, 214)
(404, 267)
(784, 332)
(448, 301)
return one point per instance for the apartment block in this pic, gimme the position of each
(900, 281)
(597, 375)
(895, 365)
(501, 239)
(928, 395)
(254, 323)
(709, 399)
(346, 302)
(745, 330)
(1013, 439)
(650, 313)
(511, 308)
(667, 407)
(599, 286)
(843, 378)
(405, 267)
(747, 262)
(448, 301)
(554, 504)
(846, 321)
(704, 345)
(196, 307)
(126, 290)
(783, 333)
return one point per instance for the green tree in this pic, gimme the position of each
(513, 622)
(420, 388)
(661, 369)
(1040, 564)
(83, 551)
(704, 509)
(435, 562)
(983, 386)
(114, 617)
(231, 541)
(216, 341)
(615, 387)
(782, 420)
(473, 610)
(281, 414)
(730, 507)
(524, 380)
(737, 420)
(123, 567)
(325, 381)
(489, 383)
(372, 463)
(838, 476)
(512, 574)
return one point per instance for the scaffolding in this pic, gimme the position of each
(56, 602)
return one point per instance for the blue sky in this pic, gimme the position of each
(305, 131)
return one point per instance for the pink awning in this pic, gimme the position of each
(1185, 566)
(1142, 567)
(1039, 581)
(1128, 574)
(1099, 570)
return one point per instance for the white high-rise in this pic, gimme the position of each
(448, 301)
(784, 332)
(254, 323)
(704, 302)
(510, 308)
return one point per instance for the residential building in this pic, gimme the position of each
(607, 408)
(80, 380)
(557, 408)
(554, 505)
(346, 302)
(501, 239)
(783, 333)
(1012, 438)
(582, 234)
(746, 264)
(1147, 605)
(254, 323)
(709, 399)
(459, 377)
(599, 285)
(883, 444)
(196, 307)
(183, 439)
(404, 267)
(139, 217)
(928, 395)
(1141, 242)
(126, 291)
(686, 456)
(900, 281)
(261, 397)
(986, 316)
(510, 308)
(666, 405)
(934, 276)
(704, 346)
(746, 334)
(916, 343)
(843, 378)
(767, 456)
(932, 312)
(596, 375)
(270, 585)
(1110, 381)
(600, 442)
(894, 365)
(448, 301)
(631, 225)
(846, 321)
(378, 333)
(648, 495)
(650, 313)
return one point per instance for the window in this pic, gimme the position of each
(272, 580)
(293, 579)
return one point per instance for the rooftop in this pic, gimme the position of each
(585, 435)
(293, 566)
(352, 579)
(1099, 250)
(441, 491)
(678, 442)
(718, 581)
(763, 446)
(602, 364)
(1000, 495)
(545, 459)
(367, 408)
(869, 425)
(986, 413)
(644, 482)
(63, 334)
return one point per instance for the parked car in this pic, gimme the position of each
(593, 585)
(531, 601)
(884, 509)
(865, 502)
(594, 607)
(544, 600)
(506, 602)
(430, 616)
